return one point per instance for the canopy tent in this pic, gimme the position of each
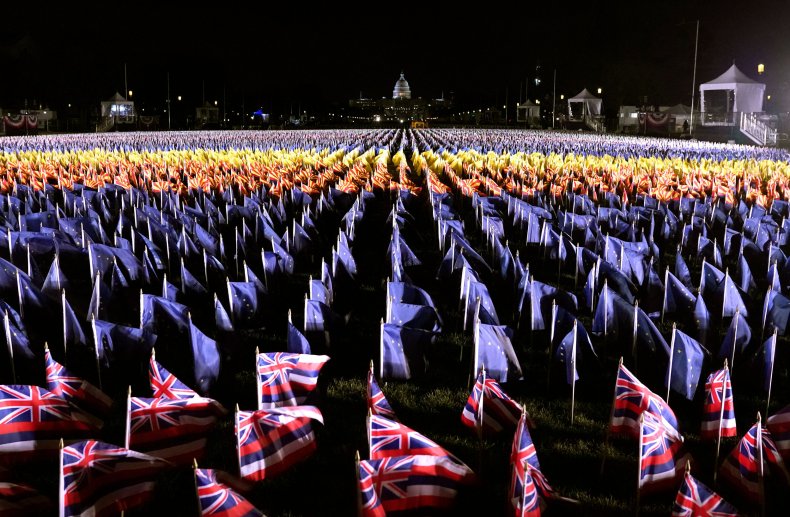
(681, 113)
(586, 104)
(118, 107)
(528, 112)
(732, 92)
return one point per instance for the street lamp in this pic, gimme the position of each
(760, 69)
(130, 93)
(599, 91)
(179, 98)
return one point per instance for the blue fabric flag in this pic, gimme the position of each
(701, 320)
(297, 343)
(682, 271)
(319, 317)
(738, 337)
(420, 317)
(318, 292)
(688, 355)
(767, 355)
(205, 354)
(244, 305)
(408, 293)
(221, 317)
(495, 352)
(403, 351)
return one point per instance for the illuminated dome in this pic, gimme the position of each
(401, 90)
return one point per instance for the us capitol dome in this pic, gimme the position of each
(401, 90)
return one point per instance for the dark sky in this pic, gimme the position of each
(274, 55)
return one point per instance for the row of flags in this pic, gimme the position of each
(215, 249)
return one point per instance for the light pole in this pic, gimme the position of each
(694, 81)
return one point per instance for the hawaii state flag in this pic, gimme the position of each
(489, 409)
(33, 419)
(719, 409)
(286, 379)
(387, 439)
(166, 385)
(218, 499)
(660, 461)
(77, 391)
(632, 399)
(97, 478)
(401, 483)
(779, 425)
(696, 500)
(741, 469)
(377, 402)
(172, 429)
(272, 440)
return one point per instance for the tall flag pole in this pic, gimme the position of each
(573, 363)
(669, 368)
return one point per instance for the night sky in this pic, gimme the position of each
(284, 55)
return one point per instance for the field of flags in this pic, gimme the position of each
(388, 321)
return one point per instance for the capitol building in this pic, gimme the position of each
(401, 108)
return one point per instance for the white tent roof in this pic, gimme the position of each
(733, 75)
(583, 96)
(748, 93)
(677, 109)
(592, 104)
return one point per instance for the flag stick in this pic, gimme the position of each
(573, 377)
(721, 420)
(194, 478)
(664, 300)
(258, 379)
(476, 356)
(724, 294)
(96, 345)
(381, 350)
(141, 309)
(633, 336)
(7, 326)
(605, 305)
(760, 473)
(128, 416)
(669, 368)
(480, 412)
(734, 338)
(576, 270)
(552, 331)
(64, 322)
(639, 463)
(61, 483)
(611, 415)
(771, 374)
(236, 430)
(19, 295)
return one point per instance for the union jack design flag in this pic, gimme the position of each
(719, 408)
(219, 499)
(409, 482)
(779, 425)
(287, 379)
(695, 499)
(377, 402)
(741, 467)
(523, 456)
(272, 440)
(34, 419)
(632, 399)
(659, 463)
(174, 430)
(78, 391)
(166, 385)
(489, 408)
(387, 439)
(16, 499)
(97, 478)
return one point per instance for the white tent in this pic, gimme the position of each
(742, 95)
(118, 108)
(528, 112)
(590, 105)
(681, 112)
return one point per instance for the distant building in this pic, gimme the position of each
(401, 108)
(115, 112)
(206, 115)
